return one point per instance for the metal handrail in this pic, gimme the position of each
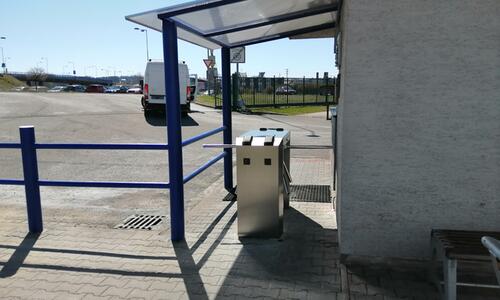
(7, 181)
(113, 146)
(289, 177)
(10, 146)
(204, 167)
(119, 146)
(110, 146)
(105, 184)
(202, 136)
(493, 246)
(310, 147)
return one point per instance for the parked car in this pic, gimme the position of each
(38, 89)
(77, 88)
(135, 90)
(117, 89)
(326, 90)
(285, 90)
(95, 88)
(57, 89)
(19, 89)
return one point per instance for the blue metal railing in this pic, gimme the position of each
(204, 167)
(11, 181)
(105, 184)
(103, 146)
(10, 145)
(202, 136)
(175, 144)
(32, 183)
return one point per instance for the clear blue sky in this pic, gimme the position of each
(95, 33)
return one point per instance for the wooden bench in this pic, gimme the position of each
(450, 246)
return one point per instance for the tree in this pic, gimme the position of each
(37, 75)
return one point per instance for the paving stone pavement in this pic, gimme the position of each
(84, 262)
(384, 279)
(87, 262)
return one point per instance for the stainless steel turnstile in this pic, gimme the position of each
(263, 190)
(263, 164)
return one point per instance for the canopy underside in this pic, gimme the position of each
(231, 23)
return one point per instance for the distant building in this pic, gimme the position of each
(202, 85)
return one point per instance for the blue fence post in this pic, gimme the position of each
(226, 118)
(31, 185)
(173, 107)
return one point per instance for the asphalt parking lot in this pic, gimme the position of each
(104, 118)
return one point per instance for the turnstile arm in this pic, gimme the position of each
(219, 146)
(304, 147)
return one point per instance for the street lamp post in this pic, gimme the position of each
(114, 70)
(95, 69)
(147, 43)
(46, 64)
(106, 71)
(74, 71)
(4, 66)
(3, 61)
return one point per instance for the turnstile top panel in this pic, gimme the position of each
(267, 132)
(259, 136)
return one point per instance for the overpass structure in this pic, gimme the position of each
(65, 79)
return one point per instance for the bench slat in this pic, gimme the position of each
(463, 244)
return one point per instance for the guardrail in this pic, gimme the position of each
(32, 183)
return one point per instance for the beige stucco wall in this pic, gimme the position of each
(419, 123)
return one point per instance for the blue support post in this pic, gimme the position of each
(170, 58)
(226, 119)
(31, 184)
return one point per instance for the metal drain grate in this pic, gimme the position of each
(141, 222)
(310, 193)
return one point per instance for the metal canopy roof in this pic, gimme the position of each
(230, 23)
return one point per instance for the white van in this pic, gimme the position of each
(153, 98)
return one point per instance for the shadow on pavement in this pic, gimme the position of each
(191, 273)
(304, 259)
(92, 253)
(100, 271)
(17, 258)
(189, 268)
(159, 119)
(16, 261)
(211, 227)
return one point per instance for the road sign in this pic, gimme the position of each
(237, 55)
(209, 63)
